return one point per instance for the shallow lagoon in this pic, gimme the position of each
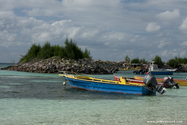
(41, 99)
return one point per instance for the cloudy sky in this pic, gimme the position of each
(110, 29)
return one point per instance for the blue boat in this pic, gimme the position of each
(122, 86)
(162, 72)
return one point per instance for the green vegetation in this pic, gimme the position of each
(70, 51)
(158, 60)
(127, 58)
(143, 61)
(137, 60)
(32, 53)
(176, 62)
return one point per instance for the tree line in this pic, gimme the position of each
(69, 51)
(175, 62)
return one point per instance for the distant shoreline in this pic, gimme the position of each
(8, 63)
(81, 66)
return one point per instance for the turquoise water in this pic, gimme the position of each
(2, 65)
(41, 99)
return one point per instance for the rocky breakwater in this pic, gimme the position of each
(56, 65)
(182, 68)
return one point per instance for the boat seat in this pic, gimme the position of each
(123, 80)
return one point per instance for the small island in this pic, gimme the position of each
(71, 59)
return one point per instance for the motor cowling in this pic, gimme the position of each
(170, 83)
(150, 81)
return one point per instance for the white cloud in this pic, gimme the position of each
(151, 27)
(183, 26)
(163, 43)
(89, 33)
(6, 14)
(168, 15)
(165, 53)
(169, 53)
(118, 36)
(183, 43)
(183, 53)
(40, 12)
(61, 23)
(105, 27)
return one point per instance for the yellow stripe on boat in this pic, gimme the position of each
(87, 78)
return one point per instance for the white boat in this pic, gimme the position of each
(153, 69)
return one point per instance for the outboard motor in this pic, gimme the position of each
(170, 83)
(150, 81)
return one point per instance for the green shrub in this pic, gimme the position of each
(158, 61)
(143, 61)
(45, 51)
(175, 63)
(136, 60)
(86, 54)
(70, 51)
(32, 53)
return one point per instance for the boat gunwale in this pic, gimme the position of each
(96, 80)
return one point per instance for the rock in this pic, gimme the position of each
(71, 66)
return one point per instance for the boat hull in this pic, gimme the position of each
(161, 72)
(181, 82)
(108, 87)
